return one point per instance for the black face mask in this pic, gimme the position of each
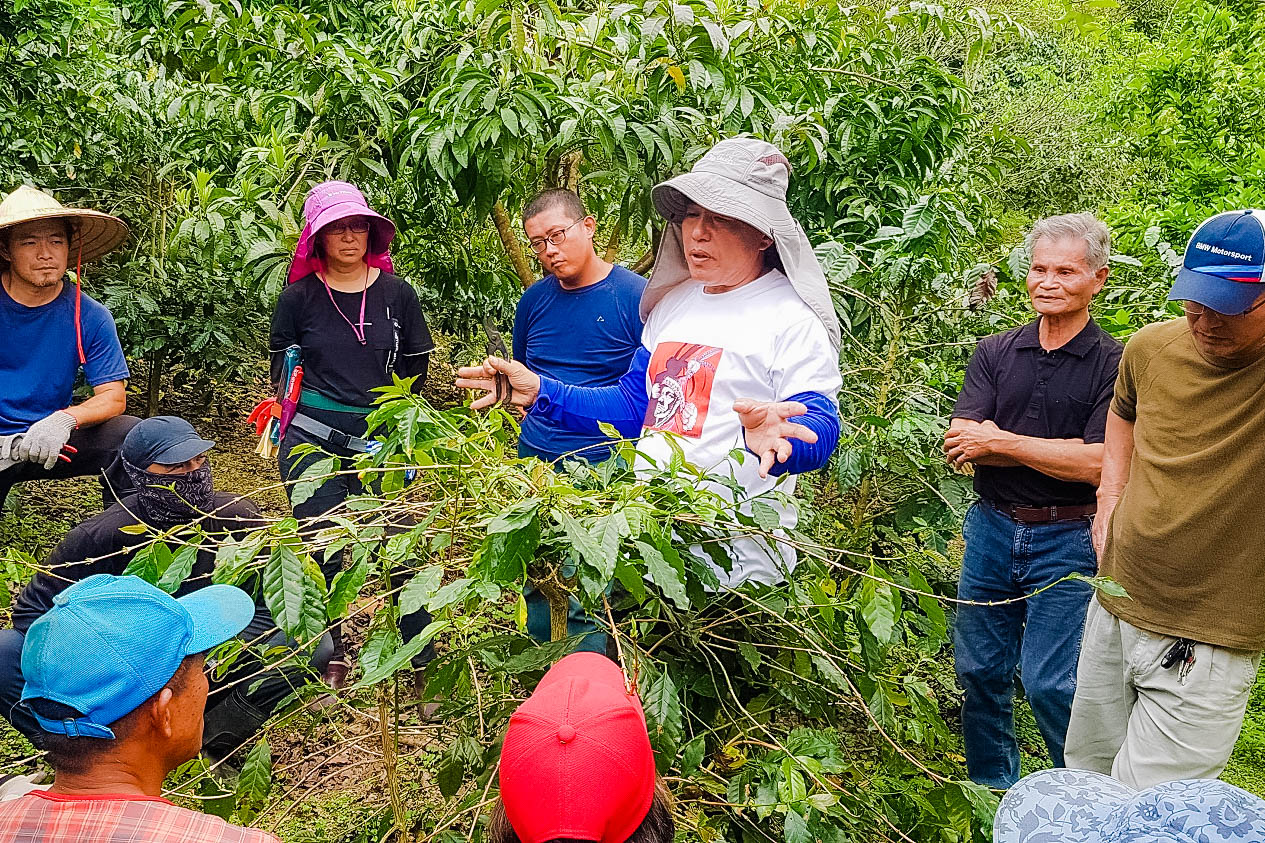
(168, 499)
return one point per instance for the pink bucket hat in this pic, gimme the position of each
(330, 202)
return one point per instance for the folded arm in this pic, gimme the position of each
(983, 443)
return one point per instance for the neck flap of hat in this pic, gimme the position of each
(746, 179)
(329, 202)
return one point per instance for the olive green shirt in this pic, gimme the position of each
(1187, 539)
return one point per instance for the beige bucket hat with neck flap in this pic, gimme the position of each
(746, 179)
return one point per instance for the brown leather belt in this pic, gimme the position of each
(1047, 514)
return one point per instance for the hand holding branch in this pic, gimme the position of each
(767, 431)
(524, 383)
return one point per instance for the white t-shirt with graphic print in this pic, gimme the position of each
(760, 341)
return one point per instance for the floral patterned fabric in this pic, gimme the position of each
(1076, 806)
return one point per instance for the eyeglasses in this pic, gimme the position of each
(556, 238)
(338, 229)
(1194, 308)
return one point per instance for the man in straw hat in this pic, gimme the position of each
(51, 331)
(740, 347)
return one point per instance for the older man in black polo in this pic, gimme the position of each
(1031, 419)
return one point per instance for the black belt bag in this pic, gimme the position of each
(333, 435)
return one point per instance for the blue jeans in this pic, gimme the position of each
(1040, 636)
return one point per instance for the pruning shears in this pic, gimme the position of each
(503, 391)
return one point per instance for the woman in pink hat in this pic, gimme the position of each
(355, 324)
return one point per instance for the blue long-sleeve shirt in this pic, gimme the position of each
(624, 405)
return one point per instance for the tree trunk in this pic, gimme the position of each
(571, 178)
(612, 245)
(154, 387)
(513, 249)
(643, 264)
(559, 606)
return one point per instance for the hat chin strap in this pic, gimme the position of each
(83, 358)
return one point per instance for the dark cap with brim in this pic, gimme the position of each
(166, 440)
(1220, 294)
(1224, 264)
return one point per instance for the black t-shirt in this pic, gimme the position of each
(335, 363)
(1060, 394)
(78, 555)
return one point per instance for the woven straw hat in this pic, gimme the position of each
(98, 233)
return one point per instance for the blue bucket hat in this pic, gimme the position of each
(1224, 266)
(1077, 806)
(110, 643)
(166, 440)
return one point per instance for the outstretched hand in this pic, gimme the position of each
(768, 433)
(524, 383)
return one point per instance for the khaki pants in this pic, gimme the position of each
(1143, 724)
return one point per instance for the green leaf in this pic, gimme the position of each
(585, 541)
(255, 781)
(662, 705)
(880, 606)
(149, 562)
(386, 668)
(669, 576)
(750, 654)
(312, 478)
(796, 829)
(179, 569)
(930, 606)
(919, 218)
(1106, 585)
(383, 642)
(289, 595)
(453, 592)
(766, 516)
(345, 589)
(1017, 263)
(450, 774)
(692, 754)
(516, 517)
(421, 589)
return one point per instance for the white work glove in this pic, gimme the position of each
(43, 441)
(8, 451)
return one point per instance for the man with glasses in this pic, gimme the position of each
(1165, 673)
(581, 324)
(167, 463)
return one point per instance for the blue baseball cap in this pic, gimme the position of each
(1077, 806)
(1224, 266)
(110, 643)
(167, 440)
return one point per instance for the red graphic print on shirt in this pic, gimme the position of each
(681, 376)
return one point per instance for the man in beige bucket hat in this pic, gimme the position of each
(51, 332)
(740, 348)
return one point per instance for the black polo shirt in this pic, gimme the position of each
(1060, 394)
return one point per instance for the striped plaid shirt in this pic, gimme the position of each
(42, 817)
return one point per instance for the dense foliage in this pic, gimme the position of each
(924, 138)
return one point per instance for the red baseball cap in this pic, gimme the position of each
(576, 763)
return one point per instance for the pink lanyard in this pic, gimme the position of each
(364, 294)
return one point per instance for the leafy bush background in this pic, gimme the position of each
(925, 138)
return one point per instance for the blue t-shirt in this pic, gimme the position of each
(39, 357)
(584, 337)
